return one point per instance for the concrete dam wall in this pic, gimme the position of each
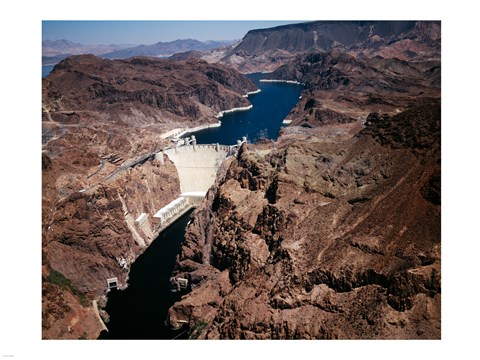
(197, 165)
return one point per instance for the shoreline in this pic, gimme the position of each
(97, 313)
(178, 132)
(245, 108)
(282, 81)
(252, 93)
(198, 128)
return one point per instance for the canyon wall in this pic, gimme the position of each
(267, 49)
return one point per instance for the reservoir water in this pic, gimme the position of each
(270, 107)
(140, 311)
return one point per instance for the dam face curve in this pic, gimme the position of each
(197, 165)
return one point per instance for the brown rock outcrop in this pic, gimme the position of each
(141, 91)
(321, 239)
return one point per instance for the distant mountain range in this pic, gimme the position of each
(165, 49)
(62, 47)
(54, 51)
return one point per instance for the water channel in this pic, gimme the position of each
(140, 311)
(270, 107)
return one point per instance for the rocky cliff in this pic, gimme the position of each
(266, 49)
(316, 239)
(102, 121)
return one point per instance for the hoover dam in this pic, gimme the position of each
(197, 166)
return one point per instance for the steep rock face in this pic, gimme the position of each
(320, 35)
(91, 236)
(66, 312)
(266, 49)
(322, 240)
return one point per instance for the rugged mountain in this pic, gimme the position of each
(52, 60)
(191, 54)
(322, 239)
(165, 49)
(102, 121)
(141, 91)
(342, 89)
(266, 49)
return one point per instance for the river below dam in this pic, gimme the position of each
(140, 311)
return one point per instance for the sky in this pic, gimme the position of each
(150, 32)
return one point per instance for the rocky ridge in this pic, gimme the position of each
(141, 91)
(323, 240)
(162, 49)
(340, 89)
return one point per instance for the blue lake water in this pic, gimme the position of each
(270, 107)
(46, 69)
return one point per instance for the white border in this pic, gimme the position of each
(20, 323)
